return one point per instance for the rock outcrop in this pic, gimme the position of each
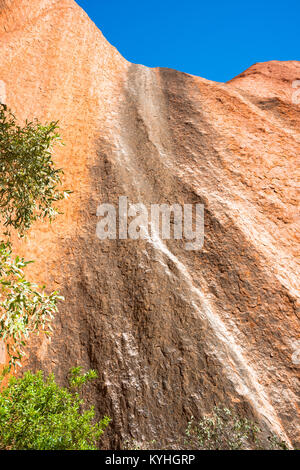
(171, 332)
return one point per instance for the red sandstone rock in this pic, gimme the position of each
(171, 332)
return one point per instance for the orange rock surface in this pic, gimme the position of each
(171, 332)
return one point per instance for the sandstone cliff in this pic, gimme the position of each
(171, 332)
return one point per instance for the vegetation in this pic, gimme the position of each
(28, 190)
(224, 430)
(28, 177)
(221, 430)
(35, 413)
(23, 309)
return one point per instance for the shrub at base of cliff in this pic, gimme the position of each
(224, 430)
(36, 413)
(221, 430)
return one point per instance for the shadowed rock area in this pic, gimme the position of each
(171, 332)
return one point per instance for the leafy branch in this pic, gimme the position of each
(29, 179)
(23, 308)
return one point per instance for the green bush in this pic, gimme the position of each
(36, 413)
(23, 308)
(224, 430)
(28, 177)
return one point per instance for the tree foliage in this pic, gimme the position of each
(36, 413)
(23, 307)
(29, 180)
(29, 183)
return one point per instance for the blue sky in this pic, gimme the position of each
(213, 39)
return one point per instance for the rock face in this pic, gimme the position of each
(171, 332)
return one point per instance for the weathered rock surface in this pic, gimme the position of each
(171, 332)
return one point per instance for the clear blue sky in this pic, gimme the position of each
(213, 39)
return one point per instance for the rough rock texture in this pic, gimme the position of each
(171, 332)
